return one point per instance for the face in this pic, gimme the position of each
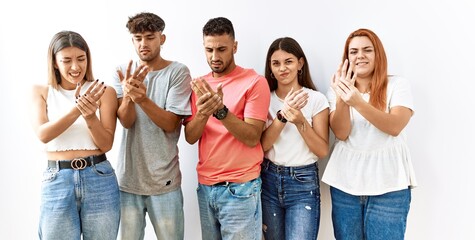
(285, 67)
(147, 45)
(220, 53)
(72, 64)
(361, 52)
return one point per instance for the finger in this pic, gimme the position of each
(77, 93)
(207, 87)
(219, 90)
(142, 73)
(350, 70)
(353, 79)
(90, 89)
(196, 89)
(344, 68)
(127, 72)
(120, 74)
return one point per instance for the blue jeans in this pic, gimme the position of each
(164, 210)
(290, 201)
(370, 217)
(80, 201)
(231, 211)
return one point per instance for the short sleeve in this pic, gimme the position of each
(400, 93)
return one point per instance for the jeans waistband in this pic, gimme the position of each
(268, 165)
(77, 163)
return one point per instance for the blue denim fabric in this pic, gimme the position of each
(290, 201)
(370, 217)
(231, 211)
(165, 212)
(80, 201)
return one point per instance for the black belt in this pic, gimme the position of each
(77, 163)
(224, 183)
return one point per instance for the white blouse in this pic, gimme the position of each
(369, 161)
(77, 136)
(290, 149)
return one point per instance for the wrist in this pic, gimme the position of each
(281, 117)
(221, 113)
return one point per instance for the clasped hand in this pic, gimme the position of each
(343, 83)
(88, 102)
(293, 103)
(208, 100)
(132, 83)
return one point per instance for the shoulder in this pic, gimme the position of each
(395, 81)
(38, 89)
(315, 94)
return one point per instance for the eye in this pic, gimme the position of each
(353, 52)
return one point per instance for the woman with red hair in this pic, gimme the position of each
(369, 171)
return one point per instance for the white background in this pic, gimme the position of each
(431, 43)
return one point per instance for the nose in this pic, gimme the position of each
(283, 68)
(214, 56)
(74, 65)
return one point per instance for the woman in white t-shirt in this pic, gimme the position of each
(369, 171)
(295, 138)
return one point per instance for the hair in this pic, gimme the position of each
(379, 81)
(291, 46)
(63, 40)
(145, 22)
(218, 26)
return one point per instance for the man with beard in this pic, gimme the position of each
(153, 98)
(229, 110)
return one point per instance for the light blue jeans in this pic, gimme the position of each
(165, 212)
(290, 202)
(370, 217)
(231, 211)
(80, 201)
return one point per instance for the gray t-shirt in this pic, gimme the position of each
(148, 156)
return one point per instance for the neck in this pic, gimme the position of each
(156, 64)
(283, 90)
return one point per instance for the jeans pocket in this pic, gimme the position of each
(103, 169)
(305, 176)
(49, 174)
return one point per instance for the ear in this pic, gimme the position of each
(235, 45)
(163, 38)
(301, 63)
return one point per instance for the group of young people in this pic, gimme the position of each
(259, 141)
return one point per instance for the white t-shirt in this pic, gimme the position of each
(290, 149)
(369, 161)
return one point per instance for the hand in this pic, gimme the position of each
(132, 83)
(204, 92)
(87, 103)
(344, 84)
(296, 99)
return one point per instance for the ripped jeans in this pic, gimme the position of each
(290, 201)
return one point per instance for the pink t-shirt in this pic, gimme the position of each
(221, 156)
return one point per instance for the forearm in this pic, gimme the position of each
(102, 137)
(390, 123)
(126, 112)
(50, 130)
(317, 141)
(340, 120)
(194, 128)
(165, 120)
(247, 133)
(270, 135)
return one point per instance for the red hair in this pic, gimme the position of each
(379, 80)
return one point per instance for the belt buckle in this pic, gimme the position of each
(78, 163)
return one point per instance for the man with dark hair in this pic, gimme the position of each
(229, 110)
(153, 98)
